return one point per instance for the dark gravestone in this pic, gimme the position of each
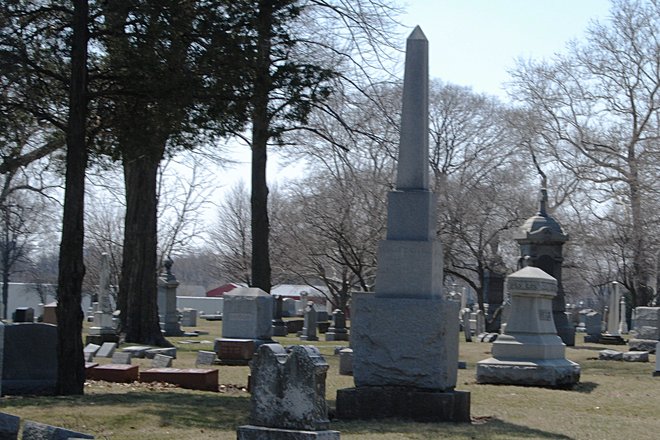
(494, 297)
(337, 332)
(9, 425)
(24, 314)
(29, 364)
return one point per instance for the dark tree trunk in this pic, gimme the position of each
(138, 285)
(261, 272)
(70, 360)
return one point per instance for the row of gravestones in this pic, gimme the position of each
(10, 427)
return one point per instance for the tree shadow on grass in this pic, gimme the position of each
(176, 409)
(483, 428)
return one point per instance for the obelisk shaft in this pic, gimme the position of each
(410, 258)
(412, 171)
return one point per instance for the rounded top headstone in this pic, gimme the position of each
(532, 280)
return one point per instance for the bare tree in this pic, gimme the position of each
(599, 106)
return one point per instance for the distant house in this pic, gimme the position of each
(219, 292)
(293, 291)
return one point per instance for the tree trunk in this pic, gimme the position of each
(261, 271)
(138, 285)
(70, 360)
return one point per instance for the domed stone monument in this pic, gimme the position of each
(541, 239)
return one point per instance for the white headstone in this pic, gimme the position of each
(613, 310)
(530, 352)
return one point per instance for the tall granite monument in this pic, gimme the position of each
(405, 335)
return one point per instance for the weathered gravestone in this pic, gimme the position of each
(657, 360)
(40, 431)
(309, 329)
(346, 362)
(288, 395)
(529, 352)
(29, 361)
(161, 361)
(646, 323)
(405, 335)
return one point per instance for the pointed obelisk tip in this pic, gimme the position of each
(417, 34)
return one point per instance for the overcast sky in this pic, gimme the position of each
(474, 42)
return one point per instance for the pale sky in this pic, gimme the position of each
(474, 42)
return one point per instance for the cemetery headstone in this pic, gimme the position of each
(480, 323)
(91, 349)
(50, 313)
(494, 297)
(593, 324)
(24, 314)
(167, 351)
(161, 361)
(646, 323)
(29, 361)
(248, 314)
(122, 357)
(167, 311)
(346, 362)
(205, 358)
(279, 327)
(337, 331)
(288, 307)
(405, 335)
(530, 353)
(309, 328)
(623, 324)
(467, 325)
(541, 239)
(137, 351)
(107, 349)
(189, 318)
(103, 328)
(657, 360)
(288, 394)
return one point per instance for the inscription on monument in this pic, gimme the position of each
(533, 285)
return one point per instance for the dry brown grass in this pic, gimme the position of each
(613, 400)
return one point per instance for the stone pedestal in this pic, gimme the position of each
(530, 352)
(404, 342)
(381, 402)
(248, 314)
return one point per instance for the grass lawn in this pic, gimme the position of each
(613, 400)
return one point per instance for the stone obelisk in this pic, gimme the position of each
(405, 335)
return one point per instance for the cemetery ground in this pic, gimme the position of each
(612, 398)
